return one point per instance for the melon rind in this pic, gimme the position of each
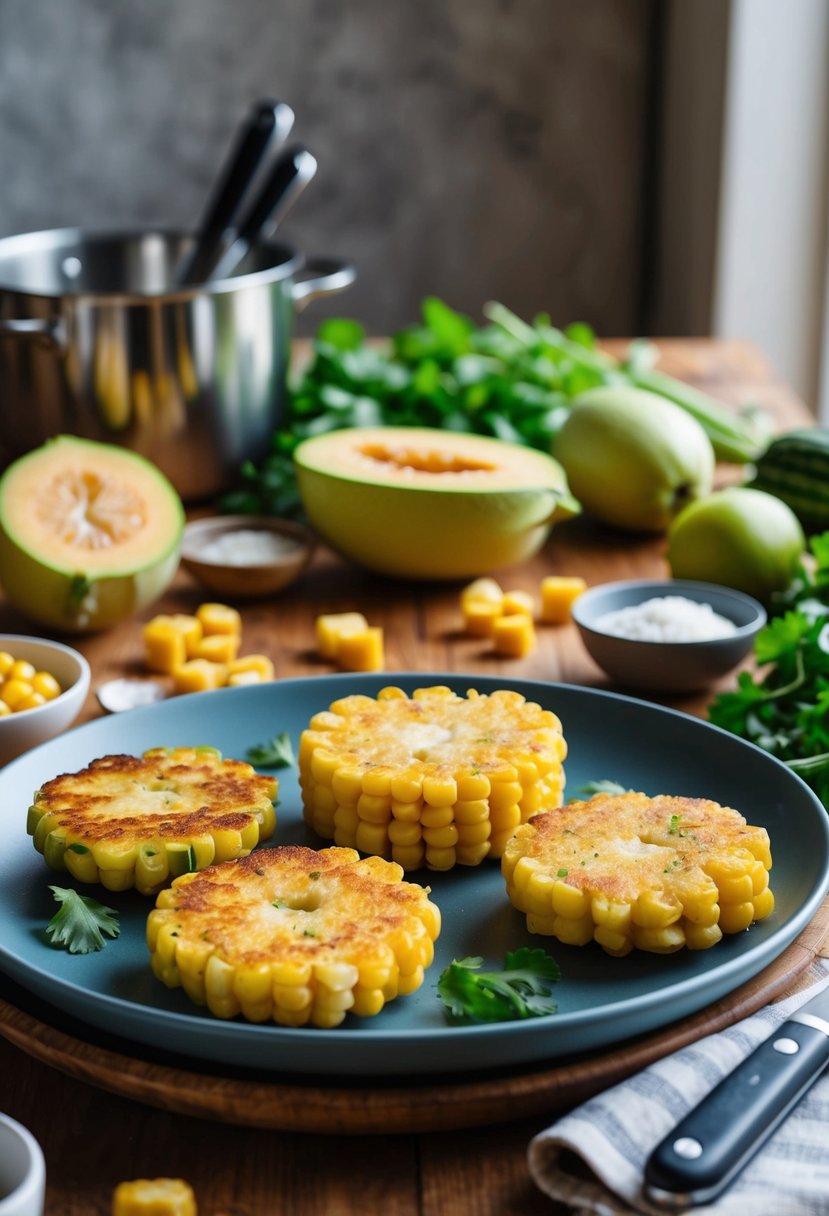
(431, 526)
(78, 596)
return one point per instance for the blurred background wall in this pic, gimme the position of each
(473, 149)
(649, 166)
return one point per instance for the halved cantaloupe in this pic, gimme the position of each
(421, 503)
(89, 533)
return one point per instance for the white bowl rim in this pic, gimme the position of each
(655, 588)
(35, 1177)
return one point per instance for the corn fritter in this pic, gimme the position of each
(629, 871)
(434, 779)
(128, 821)
(294, 935)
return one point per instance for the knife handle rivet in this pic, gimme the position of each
(786, 1047)
(688, 1148)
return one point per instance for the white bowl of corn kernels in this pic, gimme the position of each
(43, 686)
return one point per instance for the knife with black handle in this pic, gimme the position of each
(707, 1149)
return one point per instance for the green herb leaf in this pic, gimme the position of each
(80, 922)
(522, 990)
(277, 753)
(591, 788)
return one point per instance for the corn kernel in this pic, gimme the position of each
(22, 669)
(6, 663)
(333, 625)
(219, 618)
(558, 594)
(14, 691)
(154, 1197)
(218, 648)
(479, 617)
(515, 602)
(482, 589)
(199, 675)
(46, 684)
(514, 636)
(361, 650)
(165, 645)
(258, 663)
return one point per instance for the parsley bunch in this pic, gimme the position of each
(785, 708)
(506, 379)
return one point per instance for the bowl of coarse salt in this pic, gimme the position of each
(667, 636)
(245, 556)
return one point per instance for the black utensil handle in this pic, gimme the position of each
(268, 122)
(709, 1147)
(252, 140)
(291, 173)
(286, 180)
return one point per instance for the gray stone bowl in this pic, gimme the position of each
(661, 666)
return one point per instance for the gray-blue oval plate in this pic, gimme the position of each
(601, 1000)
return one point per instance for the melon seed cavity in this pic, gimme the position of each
(669, 618)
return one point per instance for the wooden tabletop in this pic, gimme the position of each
(92, 1138)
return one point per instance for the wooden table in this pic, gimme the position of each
(92, 1138)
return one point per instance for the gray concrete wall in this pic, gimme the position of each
(472, 149)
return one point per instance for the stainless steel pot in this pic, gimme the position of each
(95, 342)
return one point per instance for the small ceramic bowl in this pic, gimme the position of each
(245, 556)
(22, 1171)
(667, 666)
(25, 728)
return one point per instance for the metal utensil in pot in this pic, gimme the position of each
(96, 341)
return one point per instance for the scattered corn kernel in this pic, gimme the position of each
(361, 651)
(558, 594)
(514, 636)
(482, 589)
(260, 664)
(515, 602)
(169, 640)
(154, 1197)
(199, 675)
(330, 627)
(219, 618)
(479, 616)
(218, 647)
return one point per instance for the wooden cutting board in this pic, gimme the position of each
(290, 1104)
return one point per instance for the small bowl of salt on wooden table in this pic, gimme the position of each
(245, 556)
(670, 636)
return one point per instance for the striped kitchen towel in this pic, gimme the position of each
(592, 1159)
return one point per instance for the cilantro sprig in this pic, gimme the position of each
(522, 990)
(784, 708)
(80, 922)
(276, 753)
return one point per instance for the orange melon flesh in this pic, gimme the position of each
(423, 503)
(89, 532)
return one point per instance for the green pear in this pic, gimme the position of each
(634, 459)
(740, 537)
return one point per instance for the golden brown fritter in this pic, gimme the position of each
(129, 821)
(632, 871)
(434, 779)
(294, 935)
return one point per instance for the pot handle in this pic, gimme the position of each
(328, 276)
(48, 333)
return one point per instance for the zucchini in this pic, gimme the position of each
(795, 468)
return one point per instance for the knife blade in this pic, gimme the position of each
(709, 1147)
